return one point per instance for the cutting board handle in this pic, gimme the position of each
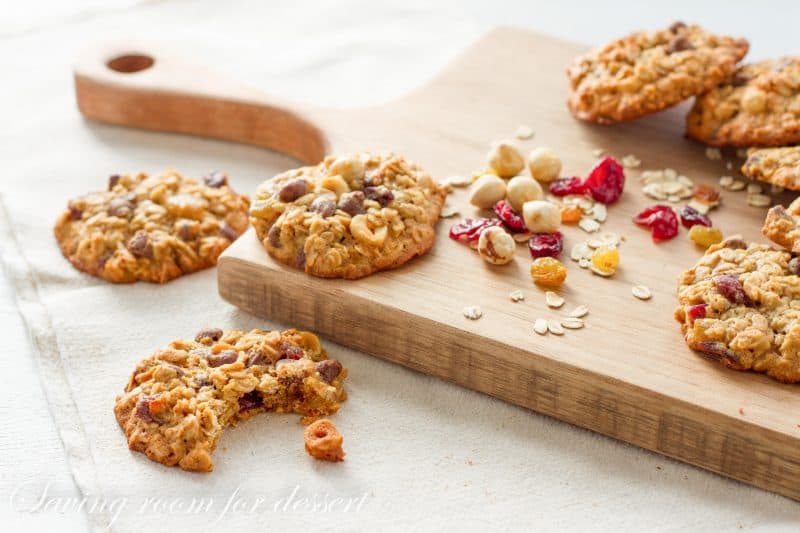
(142, 85)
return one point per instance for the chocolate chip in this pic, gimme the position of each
(74, 212)
(324, 206)
(215, 179)
(202, 381)
(186, 231)
(381, 194)
(255, 356)
(225, 357)
(121, 207)
(113, 179)
(140, 245)
(289, 351)
(679, 43)
(143, 409)
(676, 26)
(293, 190)
(274, 236)
(352, 203)
(214, 334)
(794, 266)
(329, 369)
(251, 400)
(228, 232)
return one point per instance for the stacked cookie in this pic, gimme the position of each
(754, 106)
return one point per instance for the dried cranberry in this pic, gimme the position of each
(113, 180)
(228, 232)
(661, 220)
(606, 181)
(140, 245)
(329, 369)
(214, 334)
(225, 357)
(513, 222)
(692, 217)
(565, 186)
(255, 356)
(293, 190)
(382, 195)
(251, 400)
(143, 409)
(215, 179)
(697, 311)
(731, 288)
(468, 231)
(291, 352)
(719, 352)
(546, 244)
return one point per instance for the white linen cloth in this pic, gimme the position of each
(421, 453)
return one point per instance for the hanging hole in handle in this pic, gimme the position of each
(130, 63)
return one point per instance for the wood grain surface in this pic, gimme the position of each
(627, 374)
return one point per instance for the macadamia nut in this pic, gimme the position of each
(541, 216)
(496, 246)
(487, 191)
(506, 160)
(544, 164)
(522, 189)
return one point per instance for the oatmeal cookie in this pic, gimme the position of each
(740, 306)
(178, 400)
(647, 72)
(151, 228)
(349, 216)
(782, 226)
(778, 166)
(758, 106)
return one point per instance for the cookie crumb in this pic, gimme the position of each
(516, 296)
(714, 154)
(323, 441)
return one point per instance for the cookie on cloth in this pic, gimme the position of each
(649, 71)
(738, 306)
(180, 398)
(151, 228)
(349, 216)
(758, 106)
(778, 166)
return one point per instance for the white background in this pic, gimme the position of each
(583, 481)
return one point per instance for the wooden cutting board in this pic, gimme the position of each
(627, 374)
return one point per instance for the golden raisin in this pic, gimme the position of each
(570, 214)
(606, 259)
(548, 271)
(705, 236)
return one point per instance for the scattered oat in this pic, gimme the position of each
(598, 152)
(579, 312)
(599, 212)
(725, 181)
(754, 188)
(448, 211)
(516, 296)
(555, 328)
(572, 323)
(458, 181)
(759, 200)
(521, 237)
(589, 225)
(540, 326)
(702, 207)
(524, 132)
(472, 312)
(714, 154)
(631, 161)
(580, 251)
(737, 185)
(776, 189)
(673, 198)
(666, 184)
(641, 292)
(599, 272)
(553, 299)
(584, 262)
(729, 165)
(741, 153)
